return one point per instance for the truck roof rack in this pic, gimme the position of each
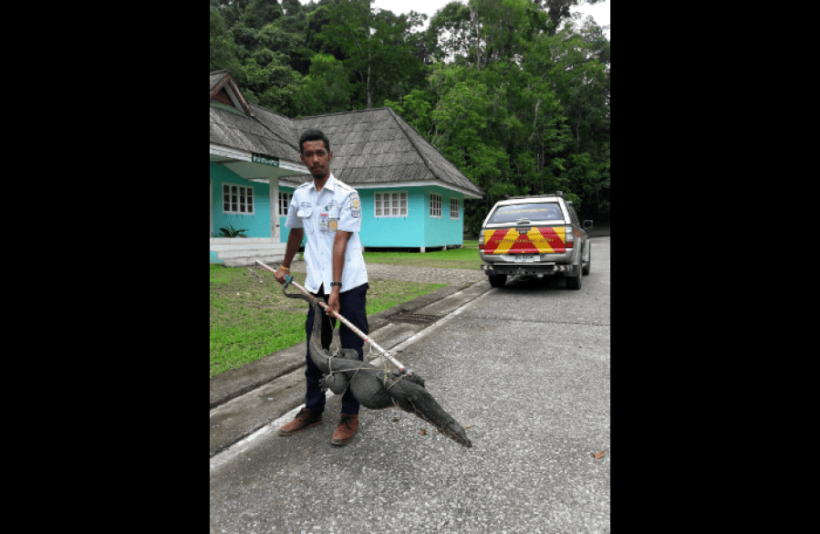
(556, 194)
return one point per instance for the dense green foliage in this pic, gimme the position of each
(510, 91)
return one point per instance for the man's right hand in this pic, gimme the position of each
(280, 275)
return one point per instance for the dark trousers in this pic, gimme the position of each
(352, 308)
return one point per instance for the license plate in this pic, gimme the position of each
(525, 258)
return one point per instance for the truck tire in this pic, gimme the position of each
(497, 280)
(574, 281)
(585, 270)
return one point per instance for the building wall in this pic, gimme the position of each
(256, 225)
(284, 231)
(392, 231)
(416, 230)
(439, 232)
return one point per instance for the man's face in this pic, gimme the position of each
(316, 157)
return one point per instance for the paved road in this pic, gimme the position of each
(527, 366)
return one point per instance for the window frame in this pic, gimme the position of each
(284, 203)
(248, 199)
(389, 196)
(435, 205)
(457, 210)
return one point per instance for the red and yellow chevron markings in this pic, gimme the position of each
(541, 240)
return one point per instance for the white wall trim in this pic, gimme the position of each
(290, 166)
(232, 153)
(393, 185)
(244, 155)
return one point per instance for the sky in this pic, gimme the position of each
(599, 12)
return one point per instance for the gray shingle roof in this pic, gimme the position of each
(369, 146)
(377, 146)
(282, 127)
(247, 133)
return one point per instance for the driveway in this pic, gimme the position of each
(526, 366)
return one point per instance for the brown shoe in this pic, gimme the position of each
(304, 419)
(347, 428)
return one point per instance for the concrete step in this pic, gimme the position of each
(245, 240)
(255, 251)
(243, 246)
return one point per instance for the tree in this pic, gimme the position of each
(559, 11)
(326, 89)
(451, 29)
(521, 107)
(294, 18)
(222, 46)
(373, 46)
(315, 39)
(232, 10)
(258, 13)
(414, 108)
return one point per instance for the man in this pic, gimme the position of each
(330, 213)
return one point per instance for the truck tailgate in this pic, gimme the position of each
(541, 239)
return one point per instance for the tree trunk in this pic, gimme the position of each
(369, 91)
(474, 21)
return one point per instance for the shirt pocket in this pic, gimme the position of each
(304, 214)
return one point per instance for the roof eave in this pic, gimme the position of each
(228, 81)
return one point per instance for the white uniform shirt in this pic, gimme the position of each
(335, 207)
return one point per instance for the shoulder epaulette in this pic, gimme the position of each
(344, 185)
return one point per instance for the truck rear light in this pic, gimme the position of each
(568, 236)
(481, 241)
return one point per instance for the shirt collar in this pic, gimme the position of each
(330, 185)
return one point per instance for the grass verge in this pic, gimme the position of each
(456, 258)
(251, 318)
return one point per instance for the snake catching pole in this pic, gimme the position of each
(347, 323)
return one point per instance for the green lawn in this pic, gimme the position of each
(456, 258)
(251, 318)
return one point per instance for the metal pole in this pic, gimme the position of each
(347, 323)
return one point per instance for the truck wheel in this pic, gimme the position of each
(497, 280)
(574, 282)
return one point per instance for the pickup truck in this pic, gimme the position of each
(537, 235)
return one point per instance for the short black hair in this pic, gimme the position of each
(313, 135)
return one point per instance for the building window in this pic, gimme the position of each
(237, 199)
(435, 205)
(393, 204)
(454, 208)
(284, 202)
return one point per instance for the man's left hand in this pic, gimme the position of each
(333, 302)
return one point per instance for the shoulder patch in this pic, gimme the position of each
(355, 204)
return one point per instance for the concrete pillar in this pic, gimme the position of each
(273, 189)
